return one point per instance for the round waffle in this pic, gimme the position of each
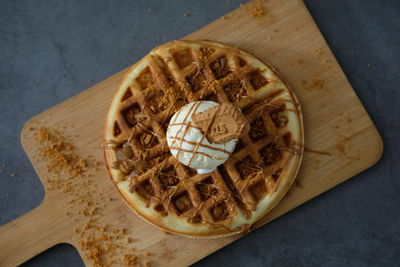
(174, 197)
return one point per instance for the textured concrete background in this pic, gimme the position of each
(51, 50)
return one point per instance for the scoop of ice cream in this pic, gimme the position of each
(188, 144)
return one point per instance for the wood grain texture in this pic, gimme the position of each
(335, 122)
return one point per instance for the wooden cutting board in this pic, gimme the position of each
(336, 124)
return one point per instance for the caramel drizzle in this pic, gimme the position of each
(204, 135)
(168, 194)
(192, 110)
(201, 144)
(189, 151)
(180, 124)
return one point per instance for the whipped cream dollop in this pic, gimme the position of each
(189, 144)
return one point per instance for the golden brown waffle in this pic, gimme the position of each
(174, 197)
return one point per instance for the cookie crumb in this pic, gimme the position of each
(315, 84)
(130, 260)
(83, 163)
(146, 263)
(318, 52)
(300, 61)
(255, 8)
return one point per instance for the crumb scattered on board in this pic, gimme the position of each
(313, 85)
(318, 52)
(299, 61)
(344, 147)
(255, 8)
(299, 184)
(71, 174)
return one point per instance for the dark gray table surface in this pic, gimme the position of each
(51, 50)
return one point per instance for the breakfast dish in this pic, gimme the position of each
(169, 173)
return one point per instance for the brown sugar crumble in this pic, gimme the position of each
(146, 263)
(344, 148)
(129, 260)
(82, 163)
(315, 84)
(59, 153)
(255, 8)
(70, 174)
(186, 14)
(318, 52)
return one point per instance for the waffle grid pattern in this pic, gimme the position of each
(177, 76)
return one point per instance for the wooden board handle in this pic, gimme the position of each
(31, 234)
